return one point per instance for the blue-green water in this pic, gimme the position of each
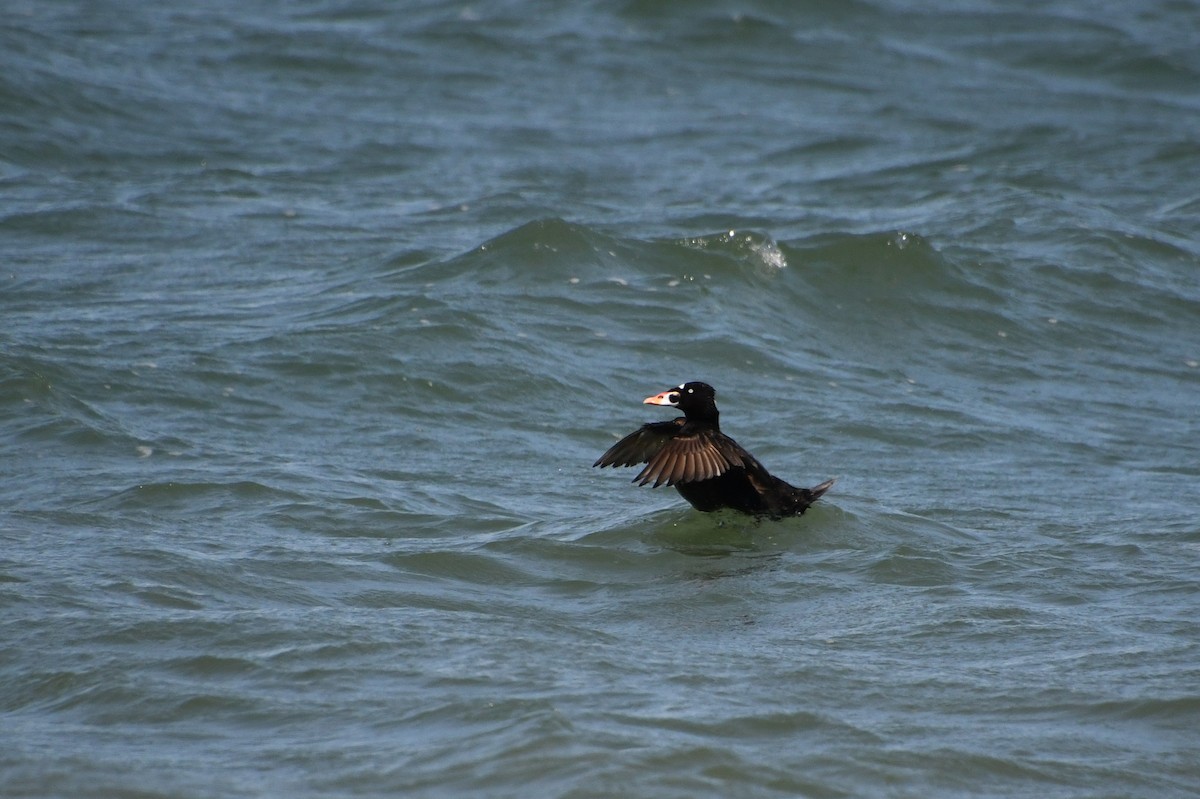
(315, 316)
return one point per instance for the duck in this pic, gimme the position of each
(708, 468)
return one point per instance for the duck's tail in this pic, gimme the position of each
(803, 497)
(816, 491)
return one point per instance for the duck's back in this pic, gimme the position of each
(753, 491)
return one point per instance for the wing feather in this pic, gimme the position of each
(654, 469)
(662, 468)
(714, 464)
(639, 446)
(673, 456)
(691, 467)
(678, 474)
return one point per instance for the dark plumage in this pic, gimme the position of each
(708, 468)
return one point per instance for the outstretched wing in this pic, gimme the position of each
(672, 456)
(639, 446)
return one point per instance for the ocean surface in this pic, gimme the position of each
(315, 315)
